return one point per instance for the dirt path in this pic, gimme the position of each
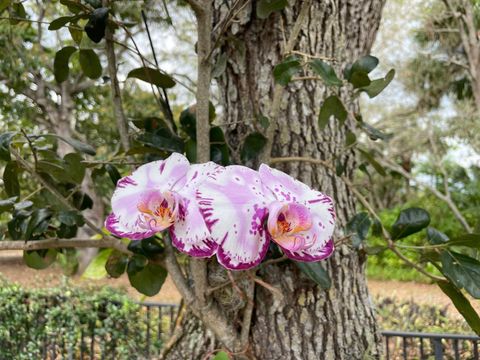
(13, 269)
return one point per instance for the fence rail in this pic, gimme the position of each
(158, 320)
(413, 345)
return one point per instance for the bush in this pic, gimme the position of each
(62, 320)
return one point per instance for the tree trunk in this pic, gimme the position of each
(308, 322)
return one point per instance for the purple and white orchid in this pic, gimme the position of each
(238, 202)
(233, 212)
(160, 195)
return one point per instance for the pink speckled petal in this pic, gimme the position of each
(283, 186)
(148, 180)
(234, 207)
(190, 233)
(320, 238)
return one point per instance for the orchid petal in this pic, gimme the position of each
(190, 233)
(313, 243)
(234, 207)
(148, 182)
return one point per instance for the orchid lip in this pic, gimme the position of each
(158, 211)
(288, 224)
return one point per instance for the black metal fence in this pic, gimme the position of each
(158, 320)
(423, 346)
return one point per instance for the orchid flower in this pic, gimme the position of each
(245, 209)
(160, 195)
(235, 210)
(300, 220)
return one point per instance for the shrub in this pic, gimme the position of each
(62, 321)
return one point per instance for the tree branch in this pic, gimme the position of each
(64, 243)
(279, 89)
(116, 94)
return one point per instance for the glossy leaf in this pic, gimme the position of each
(148, 279)
(365, 64)
(358, 227)
(326, 72)
(116, 264)
(284, 71)
(410, 221)
(113, 173)
(436, 237)
(5, 140)
(152, 76)
(74, 6)
(467, 240)
(76, 34)
(96, 25)
(7, 204)
(60, 64)
(316, 272)
(10, 179)
(266, 7)
(38, 223)
(96, 269)
(373, 133)
(60, 22)
(253, 145)
(90, 63)
(74, 167)
(39, 259)
(162, 139)
(76, 144)
(375, 164)
(377, 85)
(71, 218)
(462, 304)
(332, 106)
(463, 271)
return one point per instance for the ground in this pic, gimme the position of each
(13, 269)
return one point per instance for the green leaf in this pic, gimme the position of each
(4, 4)
(436, 237)
(376, 165)
(191, 150)
(10, 179)
(266, 7)
(350, 138)
(17, 11)
(326, 72)
(152, 76)
(462, 304)
(7, 204)
(147, 280)
(90, 63)
(316, 272)
(97, 22)
(96, 269)
(162, 139)
(60, 22)
(358, 226)
(253, 145)
(5, 140)
(71, 218)
(463, 271)
(373, 133)
(284, 71)
(73, 5)
(359, 79)
(38, 223)
(332, 106)
(116, 264)
(76, 34)
(77, 145)
(74, 167)
(365, 64)
(60, 64)
(377, 85)
(39, 259)
(467, 240)
(410, 221)
(113, 173)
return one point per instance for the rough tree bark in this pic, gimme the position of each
(307, 323)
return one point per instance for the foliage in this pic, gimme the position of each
(61, 315)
